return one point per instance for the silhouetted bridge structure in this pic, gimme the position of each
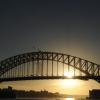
(47, 65)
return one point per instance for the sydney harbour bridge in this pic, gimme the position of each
(47, 65)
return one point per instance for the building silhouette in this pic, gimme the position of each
(94, 94)
(7, 93)
(12, 93)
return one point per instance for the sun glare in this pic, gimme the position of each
(70, 83)
(68, 74)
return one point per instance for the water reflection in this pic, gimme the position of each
(69, 99)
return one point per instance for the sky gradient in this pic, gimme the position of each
(67, 26)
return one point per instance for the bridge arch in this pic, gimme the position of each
(91, 70)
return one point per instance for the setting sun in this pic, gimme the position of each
(68, 74)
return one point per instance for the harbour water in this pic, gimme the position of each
(51, 99)
(47, 99)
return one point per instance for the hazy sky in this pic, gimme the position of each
(69, 26)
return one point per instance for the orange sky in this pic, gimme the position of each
(61, 86)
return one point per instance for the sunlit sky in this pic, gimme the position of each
(67, 26)
(62, 86)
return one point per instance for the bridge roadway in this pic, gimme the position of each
(97, 78)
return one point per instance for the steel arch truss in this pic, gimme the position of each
(91, 70)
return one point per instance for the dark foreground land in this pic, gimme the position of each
(12, 93)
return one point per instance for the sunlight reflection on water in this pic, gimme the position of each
(69, 99)
(50, 99)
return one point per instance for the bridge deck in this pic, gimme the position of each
(49, 77)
